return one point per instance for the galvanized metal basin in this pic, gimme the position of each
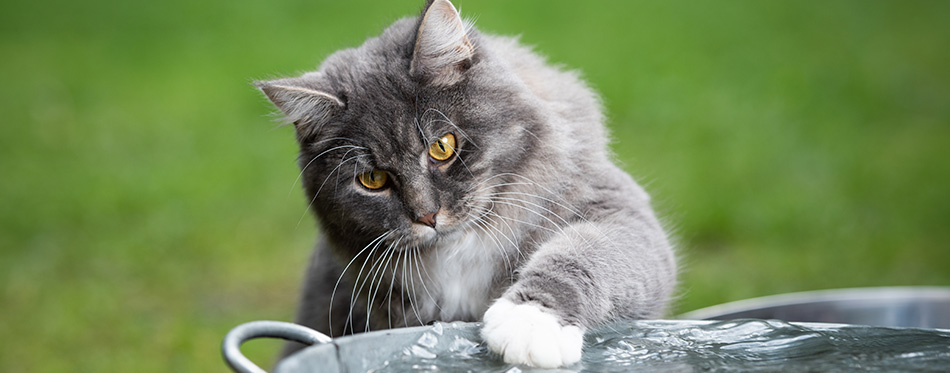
(665, 345)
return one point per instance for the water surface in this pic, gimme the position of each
(746, 345)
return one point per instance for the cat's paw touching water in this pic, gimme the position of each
(528, 334)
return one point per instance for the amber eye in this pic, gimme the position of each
(444, 148)
(373, 179)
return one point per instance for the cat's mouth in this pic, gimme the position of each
(422, 235)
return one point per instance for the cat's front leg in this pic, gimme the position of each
(589, 275)
(541, 319)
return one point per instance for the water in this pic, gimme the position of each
(745, 345)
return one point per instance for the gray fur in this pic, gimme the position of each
(531, 196)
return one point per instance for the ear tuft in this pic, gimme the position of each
(443, 50)
(307, 108)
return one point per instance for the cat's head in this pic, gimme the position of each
(404, 138)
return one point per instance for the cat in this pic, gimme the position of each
(456, 175)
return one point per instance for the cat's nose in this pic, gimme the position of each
(428, 219)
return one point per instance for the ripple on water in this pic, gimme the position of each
(747, 345)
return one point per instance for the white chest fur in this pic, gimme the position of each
(461, 274)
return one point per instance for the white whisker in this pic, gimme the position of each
(445, 119)
(480, 225)
(412, 295)
(304, 168)
(380, 273)
(420, 268)
(354, 294)
(345, 268)
(422, 134)
(538, 214)
(566, 207)
(314, 199)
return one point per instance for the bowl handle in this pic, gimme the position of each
(231, 347)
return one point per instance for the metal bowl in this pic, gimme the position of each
(915, 307)
(884, 329)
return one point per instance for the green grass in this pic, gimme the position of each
(146, 203)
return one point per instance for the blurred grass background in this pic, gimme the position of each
(146, 204)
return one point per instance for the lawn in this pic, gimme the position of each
(147, 201)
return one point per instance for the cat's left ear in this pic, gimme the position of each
(309, 109)
(443, 51)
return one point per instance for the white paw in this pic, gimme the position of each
(527, 334)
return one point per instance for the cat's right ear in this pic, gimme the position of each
(443, 50)
(308, 109)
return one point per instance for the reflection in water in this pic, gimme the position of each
(746, 345)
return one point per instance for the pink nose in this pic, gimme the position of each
(428, 219)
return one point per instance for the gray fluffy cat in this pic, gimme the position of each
(456, 176)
